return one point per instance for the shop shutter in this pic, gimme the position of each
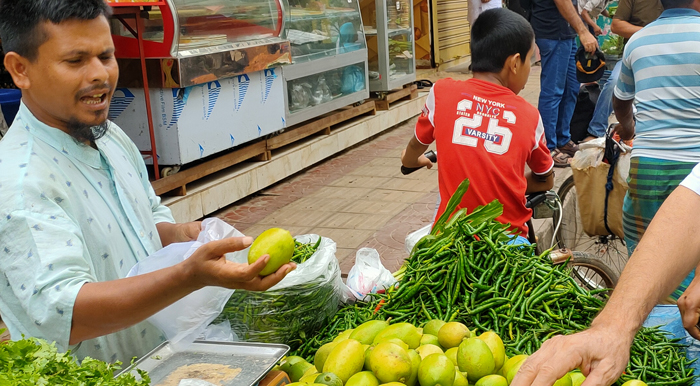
(451, 23)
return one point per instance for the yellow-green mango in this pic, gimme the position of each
(346, 359)
(415, 364)
(366, 332)
(344, 335)
(436, 370)
(322, 355)
(474, 356)
(404, 331)
(492, 380)
(496, 345)
(460, 379)
(428, 349)
(390, 363)
(363, 378)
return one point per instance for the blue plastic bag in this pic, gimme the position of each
(669, 318)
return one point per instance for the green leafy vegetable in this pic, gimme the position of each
(30, 362)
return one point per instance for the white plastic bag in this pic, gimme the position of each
(297, 306)
(413, 238)
(368, 275)
(185, 320)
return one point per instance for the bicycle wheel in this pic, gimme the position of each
(590, 272)
(609, 249)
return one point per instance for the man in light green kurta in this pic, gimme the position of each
(77, 210)
(71, 215)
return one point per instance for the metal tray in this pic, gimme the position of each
(254, 359)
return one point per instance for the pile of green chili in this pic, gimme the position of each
(303, 251)
(466, 271)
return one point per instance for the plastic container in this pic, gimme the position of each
(9, 102)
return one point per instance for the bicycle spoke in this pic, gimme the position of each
(610, 250)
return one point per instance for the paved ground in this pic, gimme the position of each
(358, 198)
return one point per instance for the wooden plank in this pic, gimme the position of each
(179, 180)
(395, 96)
(304, 130)
(409, 91)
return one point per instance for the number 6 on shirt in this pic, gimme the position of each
(475, 122)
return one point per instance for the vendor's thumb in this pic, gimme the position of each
(219, 248)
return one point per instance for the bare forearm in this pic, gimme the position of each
(167, 232)
(587, 18)
(623, 28)
(568, 12)
(537, 183)
(668, 251)
(106, 307)
(624, 112)
(177, 233)
(414, 151)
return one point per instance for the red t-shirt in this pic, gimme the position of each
(486, 133)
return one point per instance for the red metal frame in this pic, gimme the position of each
(128, 48)
(123, 10)
(136, 4)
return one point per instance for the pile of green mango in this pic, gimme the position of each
(377, 353)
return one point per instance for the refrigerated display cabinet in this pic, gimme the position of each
(390, 42)
(190, 42)
(329, 58)
(214, 73)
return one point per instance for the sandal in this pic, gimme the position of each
(569, 149)
(423, 83)
(561, 160)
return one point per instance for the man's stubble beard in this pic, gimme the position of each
(85, 133)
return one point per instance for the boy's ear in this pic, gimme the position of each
(514, 62)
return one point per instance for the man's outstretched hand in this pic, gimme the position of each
(601, 354)
(208, 267)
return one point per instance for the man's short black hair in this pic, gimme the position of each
(496, 35)
(20, 20)
(669, 4)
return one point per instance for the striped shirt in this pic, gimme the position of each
(661, 72)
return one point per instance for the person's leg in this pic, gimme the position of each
(473, 10)
(604, 107)
(569, 95)
(552, 83)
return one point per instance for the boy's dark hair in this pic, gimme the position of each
(496, 35)
(21, 21)
(669, 4)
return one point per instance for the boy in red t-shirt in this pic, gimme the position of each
(482, 129)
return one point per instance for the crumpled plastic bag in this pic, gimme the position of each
(368, 275)
(296, 307)
(413, 238)
(669, 318)
(591, 155)
(187, 319)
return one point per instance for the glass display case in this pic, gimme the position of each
(193, 42)
(390, 42)
(329, 58)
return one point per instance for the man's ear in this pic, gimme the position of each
(17, 65)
